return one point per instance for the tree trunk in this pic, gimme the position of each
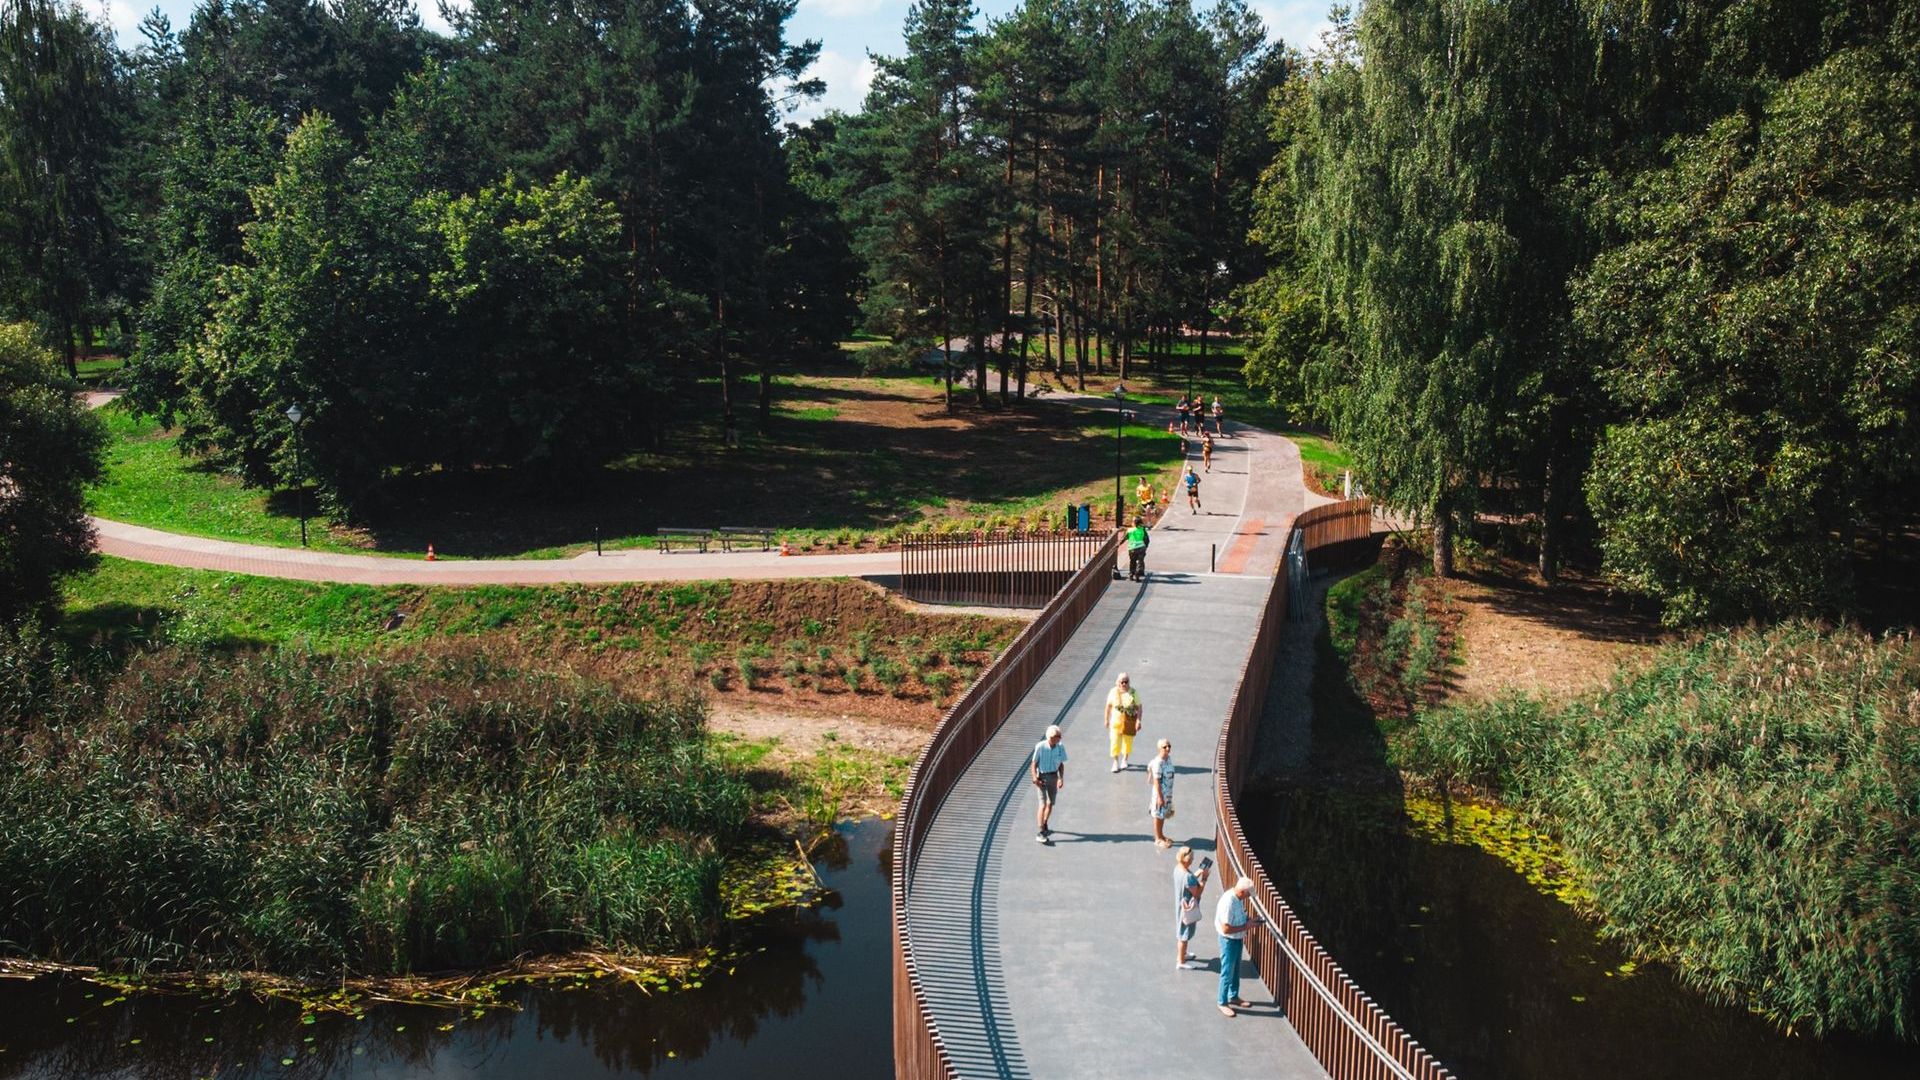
(1549, 528)
(727, 428)
(1080, 354)
(66, 349)
(946, 368)
(766, 400)
(979, 342)
(1443, 539)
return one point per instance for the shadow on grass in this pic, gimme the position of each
(852, 472)
(112, 631)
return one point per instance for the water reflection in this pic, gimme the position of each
(1501, 982)
(813, 1002)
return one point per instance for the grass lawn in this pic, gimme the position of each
(100, 371)
(846, 456)
(149, 483)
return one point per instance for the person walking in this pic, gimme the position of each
(1206, 450)
(1137, 541)
(1181, 408)
(1144, 495)
(1188, 883)
(1219, 418)
(1160, 800)
(1231, 920)
(1193, 491)
(1123, 722)
(1049, 768)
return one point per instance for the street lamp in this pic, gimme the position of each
(294, 416)
(1119, 421)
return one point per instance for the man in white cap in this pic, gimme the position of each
(1231, 919)
(1049, 767)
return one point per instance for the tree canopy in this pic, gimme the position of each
(1662, 256)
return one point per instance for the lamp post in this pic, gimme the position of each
(1119, 422)
(294, 416)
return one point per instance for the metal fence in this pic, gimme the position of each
(1349, 1034)
(1000, 568)
(918, 1050)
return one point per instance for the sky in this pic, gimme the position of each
(848, 32)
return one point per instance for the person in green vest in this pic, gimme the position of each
(1137, 550)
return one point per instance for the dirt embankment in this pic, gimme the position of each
(1516, 633)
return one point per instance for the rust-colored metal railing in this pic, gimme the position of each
(918, 1051)
(1349, 1034)
(998, 568)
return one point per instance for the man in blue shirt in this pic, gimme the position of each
(1049, 767)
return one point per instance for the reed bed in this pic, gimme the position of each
(1746, 807)
(319, 815)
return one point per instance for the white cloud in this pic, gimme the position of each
(842, 9)
(1299, 23)
(123, 16)
(431, 18)
(847, 79)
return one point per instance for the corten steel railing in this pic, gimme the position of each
(1350, 1035)
(917, 1047)
(1000, 568)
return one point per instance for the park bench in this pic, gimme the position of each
(738, 538)
(666, 539)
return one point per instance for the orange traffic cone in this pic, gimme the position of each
(429, 552)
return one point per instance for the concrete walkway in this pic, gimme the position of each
(1057, 960)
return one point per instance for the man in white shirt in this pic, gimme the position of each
(1231, 919)
(1049, 768)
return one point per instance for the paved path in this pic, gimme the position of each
(1181, 541)
(1050, 961)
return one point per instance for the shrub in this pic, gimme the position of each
(852, 676)
(748, 673)
(300, 813)
(888, 674)
(863, 647)
(1743, 807)
(940, 682)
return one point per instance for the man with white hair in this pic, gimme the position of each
(1231, 919)
(1049, 768)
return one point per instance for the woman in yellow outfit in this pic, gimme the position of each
(1123, 722)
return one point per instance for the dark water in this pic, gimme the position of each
(1502, 982)
(815, 1003)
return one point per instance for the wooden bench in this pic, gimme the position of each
(666, 539)
(737, 538)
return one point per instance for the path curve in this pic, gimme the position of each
(1253, 539)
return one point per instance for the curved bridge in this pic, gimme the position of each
(1016, 959)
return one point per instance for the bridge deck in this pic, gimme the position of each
(1055, 961)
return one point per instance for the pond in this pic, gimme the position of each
(814, 1000)
(1497, 979)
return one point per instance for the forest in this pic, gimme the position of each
(1639, 281)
